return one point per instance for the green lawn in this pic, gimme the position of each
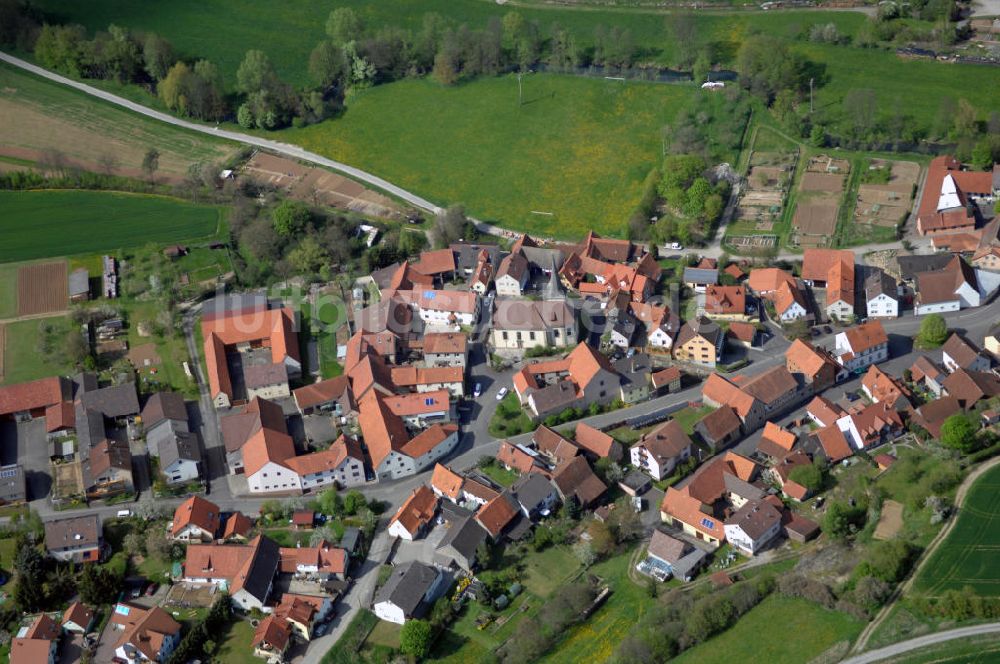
(345, 651)
(235, 648)
(8, 291)
(510, 419)
(37, 224)
(500, 475)
(8, 550)
(688, 417)
(806, 630)
(578, 148)
(967, 557)
(22, 359)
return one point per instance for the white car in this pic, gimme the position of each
(676, 246)
(477, 390)
(501, 394)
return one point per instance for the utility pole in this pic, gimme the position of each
(520, 95)
(810, 96)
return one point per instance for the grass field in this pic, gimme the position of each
(8, 291)
(22, 361)
(40, 115)
(967, 557)
(578, 148)
(755, 638)
(235, 648)
(38, 224)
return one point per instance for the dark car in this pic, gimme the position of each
(151, 589)
(815, 331)
(827, 329)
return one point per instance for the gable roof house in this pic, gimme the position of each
(718, 391)
(414, 516)
(817, 366)
(881, 295)
(498, 515)
(595, 443)
(971, 387)
(332, 396)
(78, 618)
(781, 473)
(195, 520)
(948, 204)
(482, 275)
(699, 508)
(858, 347)
(924, 371)
(931, 415)
(343, 464)
(720, 428)
(445, 349)
(681, 559)
(583, 378)
(834, 270)
(239, 427)
(518, 458)
(38, 644)
(765, 281)
(575, 479)
(242, 325)
(659, 451)
(952, 288)
(700, 341)
(752, 527)
(776, 442)
(163, 414)
(726, 302)
(661, 324)
(459, 545)
(700, 279)
(246, 571)
(790, 303)
(512, 275)
(959, 353)
(880, 387)
(76, 539)
(148, 635)
(408, 593)
(535, 495)
(524, 324)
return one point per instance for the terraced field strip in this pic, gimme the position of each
(42, 288)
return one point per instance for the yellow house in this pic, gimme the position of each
(699, 342)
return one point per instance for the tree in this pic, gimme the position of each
(330, 502)
(842, 519)
(446, 67)
(966, 120)
(290, 218)
(933, 331)
(415, 638)
(354, 502)
(150, 163)
(134, 544)
(98, 585)
(308, 257)
(256, 73)
(344, 25)
(601, 538)
(108, 162)
(860, 106)
(157, 545)
(158, 55)
(450, 226)
(29, 570)
(328, 65)
(959, 433)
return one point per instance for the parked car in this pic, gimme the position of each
(124, 514)
(477, 390)
(827, 329)
(151, 589)
(677, 246)
(501, 394)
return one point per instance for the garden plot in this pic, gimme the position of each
(42, 288)
(817, 208)
(887, 204)
(890, 522)
(314, 184)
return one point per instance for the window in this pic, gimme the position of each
(532, 333)
(555, 333)
(505, 336)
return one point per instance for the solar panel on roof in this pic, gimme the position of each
(428, 402)
(4, 474)
(429, 294)
(708, 523)
(121, 610)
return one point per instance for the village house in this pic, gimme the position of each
(949, 289)
(932, 415)
(445, 349)
(147, 634)
(971, 387)
(832, 269)
(776, 442)
(429, 379)
(699, 279)
(460, 544)
(78, 618)
(327, 397)
(446, 483)
(583, 378)
(859, 347)
(555, 447)
(790, 303)
(726, 303)
(596, 444)
(535, 495)
(271, 638)
(823, 412)
(195, 520)
(444, 307)
(76, 539)
(414, 516)
(678, 558)
(987, 258)
(959, 353)
(261, 336)
(524, 324)
(660, 323)
(718, 391)
(439, 264)
(699, 508)
(881, 295)
(665, 381)
(817, 366)
(743, 334)
(949, 196)
(409, 592)
(239, 427)
(518, 458)
(925, 372)
(245, 571)
(766, 281)
(700, 342)
(341, 464)
(574, 479)
(513, 275)
(659, 451)
(482, 274)
(720, 428)
(880, 387)
(752, 527)
(38, 644)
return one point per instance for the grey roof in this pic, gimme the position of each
(262, 569)
(73, 532)
(532, 490)
(89, 427)
(264, 375)
(12, 488)
(79, 282)
(878, 283)
(532, 314)
(407, 586)
(164, 406)
(701, 275)
(688, 563)
(383, 276)
(462, 540)
(910, 266)
(626, 325)
(557, 396)
(635, 369)
(743, 489)
(182, 445)
(467, 254)
(350, 539)
(113, 401)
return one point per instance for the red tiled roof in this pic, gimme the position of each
(266, 446)
(446, 481)
(321, 392)
(594, 440)
(417, 511)
(725, 300)
(495, 515)
(428, 439)
(328, 459)
(33, 395)
(865, 337)
(435, 262)
(199, 512)
(834, 443)
(768, 279)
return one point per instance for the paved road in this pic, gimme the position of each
(275, 146)
(897, 649)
